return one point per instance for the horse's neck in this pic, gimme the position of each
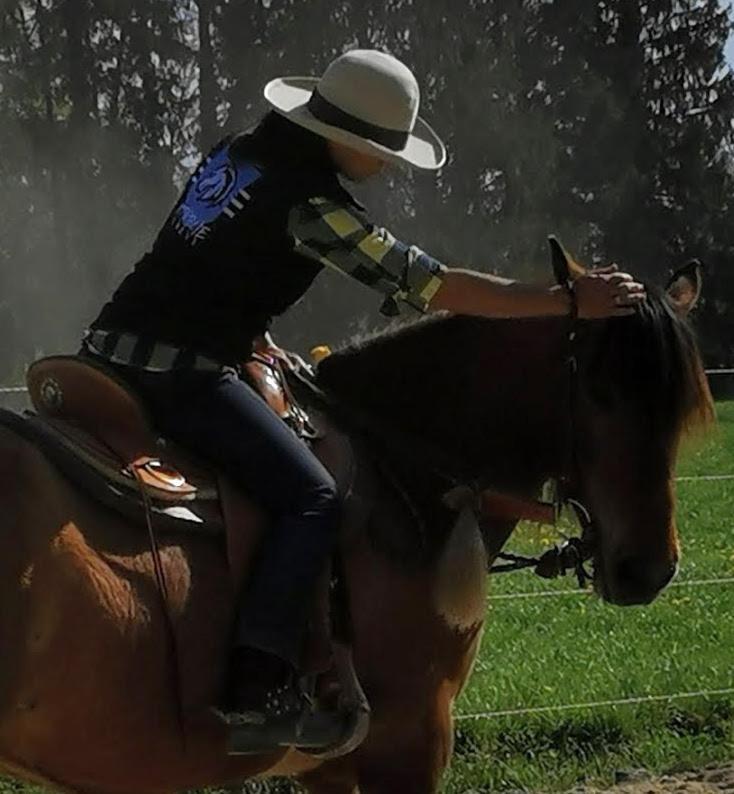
(487, 394)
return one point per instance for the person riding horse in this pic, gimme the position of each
(264, 212)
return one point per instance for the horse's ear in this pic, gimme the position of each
(684, 287)
(565, 268)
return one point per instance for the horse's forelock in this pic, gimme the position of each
(653, 359)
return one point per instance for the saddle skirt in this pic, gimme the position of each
(100, 433)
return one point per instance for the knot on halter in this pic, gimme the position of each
(571, 555)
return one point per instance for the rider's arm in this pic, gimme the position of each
(340, 237)
(604, 293)
(470, 292)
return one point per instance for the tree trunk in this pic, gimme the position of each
(50, 157)
(207, 79)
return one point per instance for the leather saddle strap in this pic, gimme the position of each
(160, 577)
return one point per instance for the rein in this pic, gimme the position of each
(571, 555)
(574, 552)
(165, 603)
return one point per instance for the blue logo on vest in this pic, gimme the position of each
(218, 188)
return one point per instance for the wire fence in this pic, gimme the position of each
(670, 697)
(705, 477)
(634, 700)
(595, 704)
(721, 580)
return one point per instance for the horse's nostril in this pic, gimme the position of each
(638, 574)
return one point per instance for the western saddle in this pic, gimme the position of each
(92, 414)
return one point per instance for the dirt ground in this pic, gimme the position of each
(709, 780)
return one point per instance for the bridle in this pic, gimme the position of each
(574, 552)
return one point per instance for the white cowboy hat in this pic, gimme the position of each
(366, 99)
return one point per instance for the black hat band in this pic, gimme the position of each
(323, 110)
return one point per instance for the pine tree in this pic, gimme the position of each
(643, 102)
(607, 122)
(91, 139)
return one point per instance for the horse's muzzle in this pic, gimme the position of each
(636, 580)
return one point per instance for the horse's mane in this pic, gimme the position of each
(368, 341)
(651, 358)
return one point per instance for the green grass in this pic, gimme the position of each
(573, 649)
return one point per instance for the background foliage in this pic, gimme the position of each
(609, 123)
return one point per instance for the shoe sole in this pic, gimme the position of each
(313, 732)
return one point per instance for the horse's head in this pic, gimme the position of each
(640, 386)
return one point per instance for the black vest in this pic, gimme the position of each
(223, 264)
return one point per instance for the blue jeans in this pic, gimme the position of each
(221, 419)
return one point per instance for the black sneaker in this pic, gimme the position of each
(265, 708)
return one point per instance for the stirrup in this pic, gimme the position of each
(312, 730)
(325, 734)
(276, 726)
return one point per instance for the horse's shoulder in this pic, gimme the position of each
(461, 574)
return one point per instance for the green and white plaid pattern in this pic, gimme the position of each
(340, 238)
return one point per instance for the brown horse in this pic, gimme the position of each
(86, 695)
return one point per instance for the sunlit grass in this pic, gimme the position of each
(572, 649)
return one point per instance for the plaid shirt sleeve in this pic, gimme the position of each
(341, 238)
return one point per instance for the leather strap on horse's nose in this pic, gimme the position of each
(502, 506)
(491, 505)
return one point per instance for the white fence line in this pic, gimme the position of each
(595, 704)
(578, 592)
(705, 477)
